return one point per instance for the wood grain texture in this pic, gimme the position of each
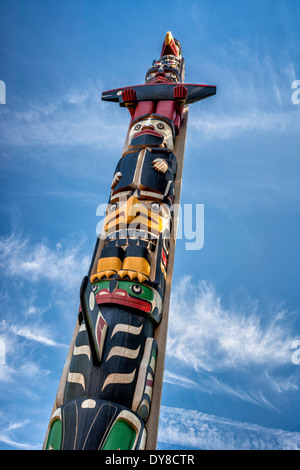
(161, 332)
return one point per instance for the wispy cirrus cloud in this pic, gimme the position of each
(238, 351)
(35, 334)
(253, 94)
(78, 117)
(172, 378)
(8, 435)
(226, 125)
(215, 337)
(37, 261)
(35, 331)
(196, 430)
(248, 393)
(46, 280)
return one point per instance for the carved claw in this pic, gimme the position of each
(132, 275)
(142, 277)
(98, 276)
(122, 273)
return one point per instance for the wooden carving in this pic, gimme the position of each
(106, 390)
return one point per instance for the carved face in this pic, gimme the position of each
(134, 212)
(152, 125)
(129, 210)
(162, 73)
(126, 293)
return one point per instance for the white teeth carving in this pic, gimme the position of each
(115, 293)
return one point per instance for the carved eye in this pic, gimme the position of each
(113, 207)
(149, 77)
(137, 127)
(155, 206)
(136, 289)
(160, 125)
(172, 75)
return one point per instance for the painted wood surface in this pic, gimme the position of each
(110, 389)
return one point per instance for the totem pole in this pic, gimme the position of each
(109, 393)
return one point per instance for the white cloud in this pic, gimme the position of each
(196, 430)
(32, 370)
(172, 378)
(253, 95)
(204, 335)
(20, 257)
(8, 438)
(34, 334)
(249, 391)
(281, 384)
(21, 339)
(17, 425)
(7, 373)
(224, 125)
(76, 118)
(19, 445)
(47, 281)
(235, 352)
(77, 96)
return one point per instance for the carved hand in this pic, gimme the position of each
(180, 95)
(129, 98)
(116, 179)
(160, 165)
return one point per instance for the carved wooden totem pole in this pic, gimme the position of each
(110, 389)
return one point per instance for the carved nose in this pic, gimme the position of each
(150, 127)
(160, 72)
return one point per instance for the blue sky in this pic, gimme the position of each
(230, 381)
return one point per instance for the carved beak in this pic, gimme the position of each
(169, 46)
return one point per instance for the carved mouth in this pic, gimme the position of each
(160, 79)
(121, 297)
(148, 132)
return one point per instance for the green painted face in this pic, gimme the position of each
(54, 438)
(121, 436)
(131, 288)
(130, 294)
